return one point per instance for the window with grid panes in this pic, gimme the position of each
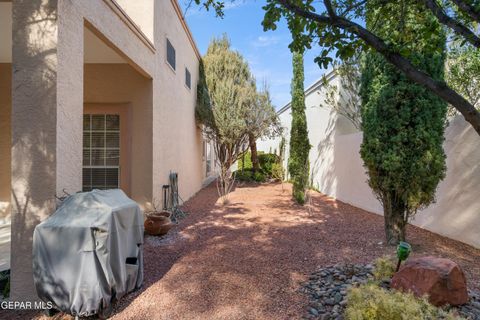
(101, 151)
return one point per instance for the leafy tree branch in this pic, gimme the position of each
(338, 28)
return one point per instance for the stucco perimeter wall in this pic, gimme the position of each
(337, 170)
(5, 140)
(177, 144)
(121, 84)
(456, 211)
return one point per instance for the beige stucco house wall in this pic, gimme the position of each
(66, 58)
(120, 84)
(337, 169)
(5, 137)
(174, 125)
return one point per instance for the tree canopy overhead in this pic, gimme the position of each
(339, 26)
(463, 74)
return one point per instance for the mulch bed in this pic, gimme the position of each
(247, 259)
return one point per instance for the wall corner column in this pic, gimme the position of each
(46, 102)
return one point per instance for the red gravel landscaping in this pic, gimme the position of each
(245, 260)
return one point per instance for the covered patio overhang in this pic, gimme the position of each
(116, 91)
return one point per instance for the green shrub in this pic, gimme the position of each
(277, 172)
(370, 302)
(248, 176)
(384, 268)
(259, 177)
(245, 162)
(266, 161)
(243, 175)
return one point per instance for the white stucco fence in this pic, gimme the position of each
(337, 169)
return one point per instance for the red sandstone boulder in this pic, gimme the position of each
(441, 279)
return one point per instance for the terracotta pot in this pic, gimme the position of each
(158, 223)
(163, 214)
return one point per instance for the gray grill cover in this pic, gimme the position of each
(80, 252)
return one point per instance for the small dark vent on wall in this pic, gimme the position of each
(188, 79)
(171, 54)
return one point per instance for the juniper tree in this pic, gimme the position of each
(225, 93)
(298, 163)
(403, 123)
(230, 109)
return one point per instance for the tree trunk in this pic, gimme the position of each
(224, 183)
(395, 223)
(253, 149)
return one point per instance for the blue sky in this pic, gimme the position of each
(266, 52)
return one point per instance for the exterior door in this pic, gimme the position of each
(105, 148)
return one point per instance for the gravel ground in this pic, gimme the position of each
(247, 260)
(327, 289)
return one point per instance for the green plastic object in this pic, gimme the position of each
(403, 250)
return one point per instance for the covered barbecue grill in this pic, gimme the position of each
(89, 252)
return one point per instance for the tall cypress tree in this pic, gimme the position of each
(298, 164)
(403, 123)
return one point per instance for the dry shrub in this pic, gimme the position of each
(384, 268)
(370, 302)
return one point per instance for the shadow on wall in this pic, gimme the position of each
(33, 130)
(338, 168)
(341, 174)
(456, 212)
(5, 141)
(322, 172)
